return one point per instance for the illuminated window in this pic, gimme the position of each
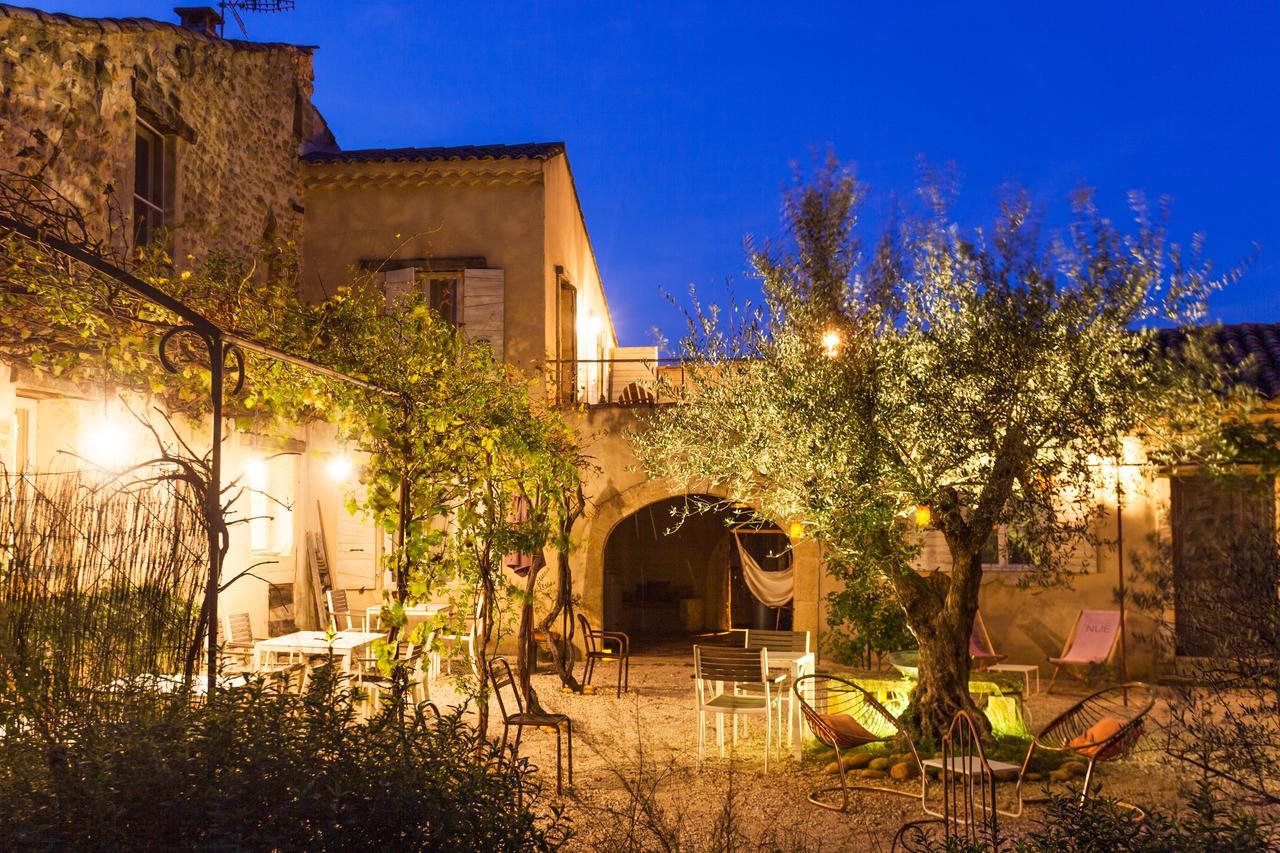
(148, 184)
(271, 484)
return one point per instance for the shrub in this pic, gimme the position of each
(1206, 826)
(262, 769)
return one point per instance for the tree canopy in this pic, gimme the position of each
(981, 373)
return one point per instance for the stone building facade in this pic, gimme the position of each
(238, 154)
(227, 120)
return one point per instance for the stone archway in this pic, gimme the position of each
(671, 585)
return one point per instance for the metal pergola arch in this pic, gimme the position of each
(224, 348)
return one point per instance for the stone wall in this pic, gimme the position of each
(235, 115)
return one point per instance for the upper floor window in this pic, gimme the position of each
(567, 343)
(148, 184)
(443, 290)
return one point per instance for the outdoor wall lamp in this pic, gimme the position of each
(339, 468)
(106, 444)
(796, 530)
(924, 515)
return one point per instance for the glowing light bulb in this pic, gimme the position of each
(831, 343)
(255, 471)
(797, 530)
(106, 444)
(924, 515)
(340, 468)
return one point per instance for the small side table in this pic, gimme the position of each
(1025, 668)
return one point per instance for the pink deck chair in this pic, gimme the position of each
(981, 649)
(1092, 641)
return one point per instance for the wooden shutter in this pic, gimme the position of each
(398, 285)
(482, 314)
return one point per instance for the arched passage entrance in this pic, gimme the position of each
(666, 578)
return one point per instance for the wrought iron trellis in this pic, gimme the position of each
(67, 236)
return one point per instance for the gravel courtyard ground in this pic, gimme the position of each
(634, 763)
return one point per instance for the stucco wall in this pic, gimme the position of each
(376, 211)
(238, 113)
(569, 246)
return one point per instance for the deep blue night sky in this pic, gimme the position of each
(683, 120)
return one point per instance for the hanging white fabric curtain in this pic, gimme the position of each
(772, 588)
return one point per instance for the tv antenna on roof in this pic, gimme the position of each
(235, 7)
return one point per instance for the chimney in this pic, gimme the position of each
(202, 19)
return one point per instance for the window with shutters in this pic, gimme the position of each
(1002, 552)
(443, 290)
(148, 184)
(469, 296)
(567, 343)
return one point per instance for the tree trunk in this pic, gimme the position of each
(526, 648)
(940, 612)
(481, 635)
(574, 505)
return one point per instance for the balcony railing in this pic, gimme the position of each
(617, 381)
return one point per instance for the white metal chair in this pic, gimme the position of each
(783, 646)
(236, 651)
(340, 618)
(409, 656)
(736, 682)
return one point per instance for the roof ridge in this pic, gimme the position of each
(492, 151)
(134, 25)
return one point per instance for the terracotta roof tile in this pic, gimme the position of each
(137, 25)
(522, 151)
(1237, 344)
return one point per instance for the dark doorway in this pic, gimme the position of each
(665, 578)
(1224, 564)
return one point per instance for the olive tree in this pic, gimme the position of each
(978, 373)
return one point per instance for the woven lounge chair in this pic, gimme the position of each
(845, 716)
(1092, 642)
(613, 646)
(500, 674)
(1101, 727)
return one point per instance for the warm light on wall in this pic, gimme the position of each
(831, 343)
(924, 515)
(255, 471)
(339, 468)
(593, 326)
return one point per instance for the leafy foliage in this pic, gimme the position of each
(264, 769)
(1208, 825)
(456, 444)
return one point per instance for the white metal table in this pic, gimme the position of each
(343, 645)
(798, 664)
(374, 611)
(1025, 668)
